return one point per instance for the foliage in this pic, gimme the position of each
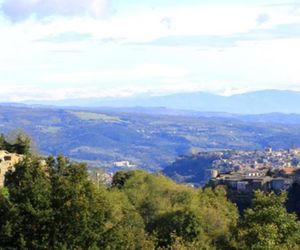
(293, 201)
(28, 207)
(51, 204)
(267, 225)
(19, 143)
(199, 217)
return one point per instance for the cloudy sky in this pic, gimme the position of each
(58, 49)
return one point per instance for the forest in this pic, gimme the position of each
(50, 203)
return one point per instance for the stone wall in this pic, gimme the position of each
(7, 162)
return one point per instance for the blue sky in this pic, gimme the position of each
(55, 50)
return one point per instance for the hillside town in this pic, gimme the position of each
(247, 171)
(243, 160)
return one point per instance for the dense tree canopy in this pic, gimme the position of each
(267, 225)
(199, 217)
(52, 204)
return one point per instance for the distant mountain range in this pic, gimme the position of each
(259, 102)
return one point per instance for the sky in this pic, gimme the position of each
(66, 49)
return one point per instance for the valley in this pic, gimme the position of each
(147, 138)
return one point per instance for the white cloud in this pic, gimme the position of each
(107, 75)
(29, 49)
(21, 9)
(30, 93)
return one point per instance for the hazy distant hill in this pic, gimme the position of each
(149, 137)
(260, 102)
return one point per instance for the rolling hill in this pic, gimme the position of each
(150, 138)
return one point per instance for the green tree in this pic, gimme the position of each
(5, 223)
(219, 215)
(18, 142)
(4, 144)
(267, 225)
(22, 144)
(197, 217)
(27, 207)
(186, 224)
(126, 230)
(53, 205)
(71, 198)
(120, 178)
(86, 216)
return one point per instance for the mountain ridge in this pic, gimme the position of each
(256, 102)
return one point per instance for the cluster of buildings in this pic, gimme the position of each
(7, 163)
(243, 160)
(248, 181)
(257, 170)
